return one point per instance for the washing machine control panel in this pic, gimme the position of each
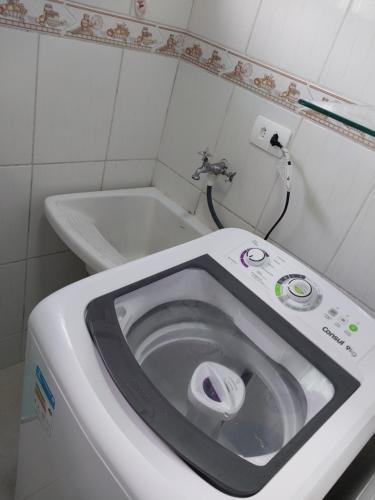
(302, 295)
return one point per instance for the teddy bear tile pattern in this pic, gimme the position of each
(74, 20)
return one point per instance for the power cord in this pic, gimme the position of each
(287, 178)
(281, 216)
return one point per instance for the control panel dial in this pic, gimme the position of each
(298, 292)
(254, 257)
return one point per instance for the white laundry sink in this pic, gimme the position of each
(109, 228)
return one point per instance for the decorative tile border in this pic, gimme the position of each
(74, 20)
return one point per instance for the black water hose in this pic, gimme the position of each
(212, 208)
(281, 216)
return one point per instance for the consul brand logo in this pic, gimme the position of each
(340, 341)
(334, 337)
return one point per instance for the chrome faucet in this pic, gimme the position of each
(219, 168)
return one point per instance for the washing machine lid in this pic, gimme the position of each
(232, 387)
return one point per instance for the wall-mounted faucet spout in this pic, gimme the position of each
(219, 168)
(213, 169)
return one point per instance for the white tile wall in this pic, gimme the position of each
(332, 179)
(256, 169)
(141, 106)
(10, 350)
(228, 22)
(57, 179)
(195, 116)
(76, 90)
(297, 35)
(128, 174)
(172, 12)
(47, 274)
(176, 187)
(353, 267)
(12, 286)
(17, 95)
(350, 69)
(14, 212)
(228, 219)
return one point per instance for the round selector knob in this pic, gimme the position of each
(298, 293)
(300, 290)
(254, 257)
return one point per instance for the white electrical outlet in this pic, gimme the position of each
(262, 132)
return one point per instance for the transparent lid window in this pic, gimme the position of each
(221, 366)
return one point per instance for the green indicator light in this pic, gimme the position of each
(353, 328)
(298, 290)
(278, 290)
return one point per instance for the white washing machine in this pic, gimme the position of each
(222, 368)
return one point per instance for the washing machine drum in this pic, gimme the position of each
(218, 379)
(224, 380)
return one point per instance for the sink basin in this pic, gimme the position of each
(109, 228)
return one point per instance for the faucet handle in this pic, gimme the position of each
(205, 154)
(230, 176)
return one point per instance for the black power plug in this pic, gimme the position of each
(275, 141)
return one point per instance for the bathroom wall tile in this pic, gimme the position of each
(18, 54)
(57, 179)
(12, 285)
(11, 389)
(172, 12)
(227, 218)
(141, 106)
(10, 350)
(297, 35)
(332, 178)
(350, 69)
(76, 91)
(256, 169)
(176, 187)
(228, 22)
(353, 267)
(47, 274)
(128, 174)
(196, 113)
(121, 6)
(15, 185)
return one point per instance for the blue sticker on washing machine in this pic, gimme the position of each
(44, 401)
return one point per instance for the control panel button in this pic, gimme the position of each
(297, 292)
(353, 328)
(333, 312)
(254, 257)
